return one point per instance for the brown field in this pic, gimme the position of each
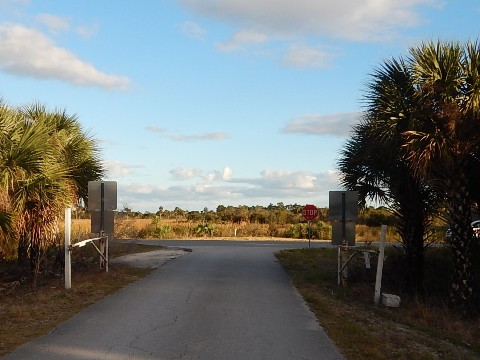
(182, 229)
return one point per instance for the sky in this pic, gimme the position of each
(201, 103)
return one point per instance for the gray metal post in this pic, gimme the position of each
(344, 246)
(68, 261)
(344, 230)
(102, 207)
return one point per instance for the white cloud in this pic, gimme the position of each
(12, 6)
(271, 186)
(86, 31)
(116, 169)
(28, 52)
(198, 137)
(203, 177)
(55, 24)
(58, 24)
(155, 129)
(305, 56)
(288, 179)
(227, 173)
(337, 124)
(193, 30)
(213, 136)
(184, 174)
(241, 40)
(359, 20)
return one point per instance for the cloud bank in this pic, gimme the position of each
(357, 20)
(213, 188)
(336, 125)
(28, 52)
(290, 23)
(212, 136)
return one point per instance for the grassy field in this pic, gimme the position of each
(183, 229)
(418, 329)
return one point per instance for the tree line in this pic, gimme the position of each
(278, 214)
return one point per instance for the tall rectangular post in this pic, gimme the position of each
(68, 261)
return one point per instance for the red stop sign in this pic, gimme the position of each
(310, 212)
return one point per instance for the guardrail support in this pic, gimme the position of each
(68, 261)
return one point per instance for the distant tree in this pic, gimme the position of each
(160, 212)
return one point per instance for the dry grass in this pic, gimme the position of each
(364, 331)
(183, 229)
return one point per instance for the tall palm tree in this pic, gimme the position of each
(23, 152)
(446, 141)
(46, 161)
(373, 163)
(69, 162)
(7, 129)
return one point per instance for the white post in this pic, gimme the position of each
(68, 263)
(381, 256)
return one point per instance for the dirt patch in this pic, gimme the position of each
(151, 259)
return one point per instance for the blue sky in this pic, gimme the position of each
(200, 103)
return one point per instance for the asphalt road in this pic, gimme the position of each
(221, 301)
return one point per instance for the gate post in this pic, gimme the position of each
(68, 261)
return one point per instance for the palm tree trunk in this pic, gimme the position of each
(414, 253)
(461, 291)
(22, 252)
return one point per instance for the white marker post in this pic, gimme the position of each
(381, 256)
(68, 263)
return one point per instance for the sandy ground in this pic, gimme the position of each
(151, 259)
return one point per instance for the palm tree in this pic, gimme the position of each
(446, 141)
(46, 161)
(7, 130)
(77, 149)
(373, 163)
(70, 161)
(24, 149)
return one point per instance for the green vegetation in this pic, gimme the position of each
(46, 161)
(417, 149)
(277, 221)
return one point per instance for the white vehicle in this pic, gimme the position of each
(475, 227)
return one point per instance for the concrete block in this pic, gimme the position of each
(390, 300)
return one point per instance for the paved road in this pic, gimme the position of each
(217, 302)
